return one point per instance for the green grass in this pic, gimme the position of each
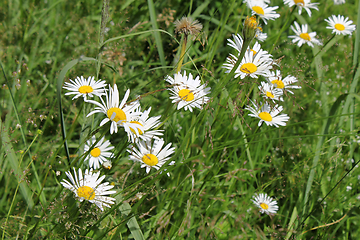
(222, 157)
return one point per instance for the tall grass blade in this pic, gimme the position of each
(13, 160)
(157, 35)
(59, 84)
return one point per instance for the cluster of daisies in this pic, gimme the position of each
(145, 143)
(259, 63)
(338, 24)
(255, 63)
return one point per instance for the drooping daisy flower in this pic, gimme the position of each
(284, 84)
(98, 153)
(89, 187)
(302, 36)
(265, 203)
(340, 25)
(338, 2)
(257, 48)
(263, 10)
(148, 124)
(238, 42)
(268, 91)
(187, 91)
(264, 1)
(268, 115)
(116, 112)
(302, 4)
(260, 36)
(151, 155)
(85, 87)
(251, 65)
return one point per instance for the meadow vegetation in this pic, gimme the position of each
(222, 157)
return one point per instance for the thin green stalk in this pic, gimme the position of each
(284, 27)
(182, 53)
(11, 206)
(104, 20)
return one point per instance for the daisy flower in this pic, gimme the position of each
(270, 92)
(268, 115)
(116, 112)
(302, 36)
(265, 203)
(89, 187)
(340, 25)
(85, 87)
(302, 4)
(338, 2)
(98, 153)
(251, 65)
(151, 155)
(148, 124)
(188, 92)
(237, 44)
(263, 1)
(263, 10)
(260, 36)
(284, 84)
(257, 48)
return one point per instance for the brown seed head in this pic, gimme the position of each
(187, 26)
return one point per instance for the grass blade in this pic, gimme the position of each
(157, 35)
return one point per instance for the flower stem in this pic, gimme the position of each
(182, 53)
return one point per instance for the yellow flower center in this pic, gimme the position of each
(186, 95)
(270, 95)
(248, 68)
(305, 36)
(278, 83)
(258, 10)
(299, 2)
(264, 206)
(85, 89)
(150, 159)
(140, 132)
(86, 192)
(95, 152)
(265, 116)
(120, 115)
(340, 27)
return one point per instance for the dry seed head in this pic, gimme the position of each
(187, 26)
